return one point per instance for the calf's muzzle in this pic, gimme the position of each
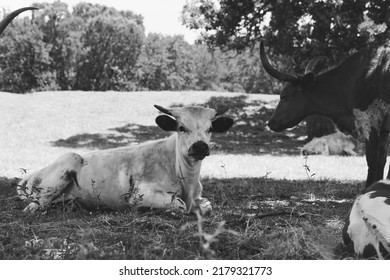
(199, 150)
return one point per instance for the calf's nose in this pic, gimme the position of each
(199, 150)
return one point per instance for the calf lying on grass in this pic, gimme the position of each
(367, 231)
(158, 174)
(333, 144)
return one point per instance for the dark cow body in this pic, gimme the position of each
(355, 95)
(367, 229)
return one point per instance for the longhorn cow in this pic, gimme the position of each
(158, 174)
(355, 95)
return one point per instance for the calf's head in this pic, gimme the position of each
(294, 101)
(194, 126)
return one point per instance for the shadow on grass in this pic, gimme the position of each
(249, 135)
(122, 136)
(262, 219)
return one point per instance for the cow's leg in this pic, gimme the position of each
(372, 157)
(201, 203)
(382, 156)
(150, 195)
(49, 183)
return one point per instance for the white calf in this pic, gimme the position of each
(156, 174)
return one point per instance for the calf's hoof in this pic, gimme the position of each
(204, 206)
(31, 208)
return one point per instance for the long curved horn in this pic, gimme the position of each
(312, 63)
(162, 109)
(272, 71)
(11, 16)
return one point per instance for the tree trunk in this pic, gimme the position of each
(317, 126)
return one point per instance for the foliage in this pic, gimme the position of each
(95, 47)
(166, 63)
(92, 48)
(297, 29)
(111, 42)
(25, 61)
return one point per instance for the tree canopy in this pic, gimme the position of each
(298, 29)
(94, 47)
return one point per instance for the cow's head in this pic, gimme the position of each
(194, 126)
(4, 23)
(293, 106)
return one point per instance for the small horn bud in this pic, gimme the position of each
(164, 110)
(221, 110)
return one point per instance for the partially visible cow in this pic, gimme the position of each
(355, 95)
(158, 174)
(333, 144)
(367, 231)
(7, 20)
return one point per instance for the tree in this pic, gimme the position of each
(299, 29)
(111, 43)
(62, 41)
(92, 48)
(24, 59)
(207, 68)
(166, 63)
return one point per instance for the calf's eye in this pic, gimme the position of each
(182, 129)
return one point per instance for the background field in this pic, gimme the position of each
(269, 201)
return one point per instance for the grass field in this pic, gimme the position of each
(269, 201)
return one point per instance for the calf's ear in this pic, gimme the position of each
(166, 123)
(221, 124)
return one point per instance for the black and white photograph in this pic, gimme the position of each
(218, 130)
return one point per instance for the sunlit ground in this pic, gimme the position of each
(38, 128)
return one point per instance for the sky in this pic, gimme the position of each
(160, 16)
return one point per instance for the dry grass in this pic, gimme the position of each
(267, 204)
(252, 219)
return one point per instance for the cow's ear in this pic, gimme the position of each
(308, 79)
(221, 124)
(166, 123)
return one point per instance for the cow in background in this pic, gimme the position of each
(332, 144)
(157, 174)
(355, 95)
